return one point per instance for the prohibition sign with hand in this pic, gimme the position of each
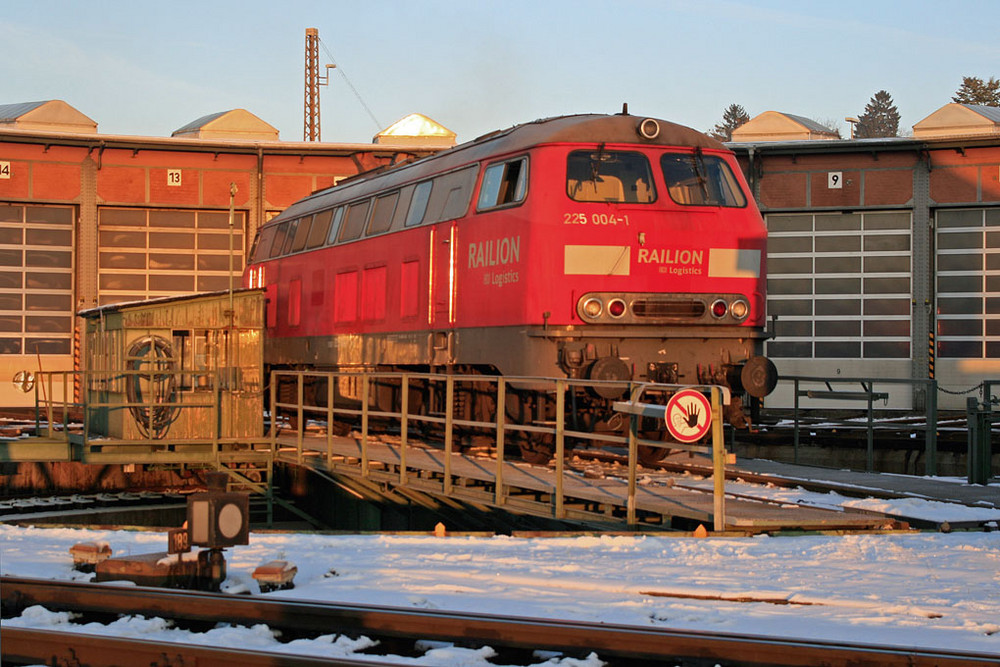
(688, 415)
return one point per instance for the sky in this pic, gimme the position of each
(148, 68)
(927, 589)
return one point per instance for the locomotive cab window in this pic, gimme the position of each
(694, 179)
(609, 176)
(504, 183)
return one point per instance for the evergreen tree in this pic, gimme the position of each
(880, 119)
(732, 118)
(976, 91)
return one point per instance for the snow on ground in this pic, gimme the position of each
(929, 510)
(930, 590)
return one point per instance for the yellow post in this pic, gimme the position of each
(364, 424)
(633, 456)
(330, 379)
(300, 399)
(404, 384)
(718, 463)
(274, 411)
(560, 445)
(449, 416)
(501, 418)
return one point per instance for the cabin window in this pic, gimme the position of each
(338, 216)
(357, 216)
(451, 195)
(694, 179)
(418, 204)
(293, 226)
(262, 248)
(609, 176)
(402, 208)
(301, 234)
(320, 228)
(193, 353)
(504, 183)
(280, 234)
(382, 214)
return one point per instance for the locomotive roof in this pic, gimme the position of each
(584, 129)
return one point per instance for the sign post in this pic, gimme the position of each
(718, 464)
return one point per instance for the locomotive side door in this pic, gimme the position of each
(442, 290)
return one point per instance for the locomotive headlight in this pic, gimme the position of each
(649, 128)
(593, 308)
(616, 308)
(719, 308)
(739, 309)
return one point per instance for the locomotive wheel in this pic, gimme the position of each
(538, 453)
(651, 456)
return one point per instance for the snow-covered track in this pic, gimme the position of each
(394, 627)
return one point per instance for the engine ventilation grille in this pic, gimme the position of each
(663, 308)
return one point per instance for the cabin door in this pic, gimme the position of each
(441, 312)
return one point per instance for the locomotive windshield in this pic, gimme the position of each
(694, 179)
(609, 176)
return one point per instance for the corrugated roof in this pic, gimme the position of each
(991, 113)
(232, 124)
(809, 123)
(11, 112)
(201, 122)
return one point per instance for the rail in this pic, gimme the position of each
(618, 644)
(348, 395)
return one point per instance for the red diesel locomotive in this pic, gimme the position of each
(588, 246)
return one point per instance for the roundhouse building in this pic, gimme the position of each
(883, 254)
(89, 219)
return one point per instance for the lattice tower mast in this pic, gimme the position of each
(310, 128)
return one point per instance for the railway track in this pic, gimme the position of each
(397, 630)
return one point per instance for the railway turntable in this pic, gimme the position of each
(180, 382)
(381, 469)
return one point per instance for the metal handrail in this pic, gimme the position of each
(867, 395)
(500, 427)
